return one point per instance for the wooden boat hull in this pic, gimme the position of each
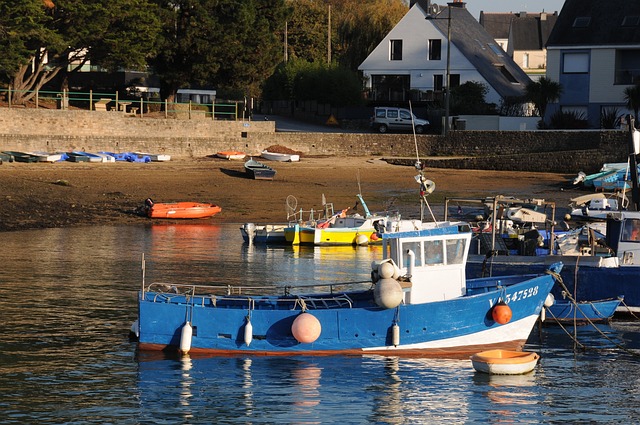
(503, 362)
(182, 210)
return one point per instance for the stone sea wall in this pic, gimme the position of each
(58, 130)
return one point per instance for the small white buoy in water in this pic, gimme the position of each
(306, 328)
(362, 240)
(388, 293)
(248, 332)
(395, 335)
(185, 338)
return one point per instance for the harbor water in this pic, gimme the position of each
(68, 299)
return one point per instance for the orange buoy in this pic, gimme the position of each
(306, 328)
(501, 313)
(374, 236)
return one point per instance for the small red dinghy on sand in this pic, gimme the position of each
(180, 209)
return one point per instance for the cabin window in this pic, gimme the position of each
(411, 246)
(396, 50)
(435, 50)
(433, 253)
(631, 231)
(455, 251)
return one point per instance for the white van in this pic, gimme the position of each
(399, 119)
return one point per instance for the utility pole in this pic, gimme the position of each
(329, 38)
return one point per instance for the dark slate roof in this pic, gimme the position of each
(604, 26)
(483, 52)
(531, 31)
(496, 24)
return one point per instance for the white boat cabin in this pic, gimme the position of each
(433, 258)
(623, 236)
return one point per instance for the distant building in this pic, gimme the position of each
(523, 36)
(594, 53)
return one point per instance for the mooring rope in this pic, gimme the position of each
(559, 280)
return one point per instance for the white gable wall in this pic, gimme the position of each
(415, 32)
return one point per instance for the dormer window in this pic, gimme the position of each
(497, 50)
(582, 22)
(631, 21)
(505, 73)
(395, 50)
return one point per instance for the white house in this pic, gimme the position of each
(411, 61)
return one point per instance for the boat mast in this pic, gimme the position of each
(633, 163)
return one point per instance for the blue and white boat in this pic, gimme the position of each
(418, 302)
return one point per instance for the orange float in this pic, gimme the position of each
(501, 313)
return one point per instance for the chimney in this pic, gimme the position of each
(457, 3)
(522, 14)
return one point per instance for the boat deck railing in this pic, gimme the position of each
(333, 296)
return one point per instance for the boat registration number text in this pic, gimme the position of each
(521, 295)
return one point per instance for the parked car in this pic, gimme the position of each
(398, 119)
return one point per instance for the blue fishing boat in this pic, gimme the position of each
(418, 302)
(567, 311)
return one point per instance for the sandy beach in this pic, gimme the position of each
(40, 195)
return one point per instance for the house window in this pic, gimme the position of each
(631, 21)
(454, 80)
(435, 50)
(495, 49)
(575, 63)
(438, 82)
(525, 60)
(627, 66)
(506, 74)
(582, 22)
(396, 50)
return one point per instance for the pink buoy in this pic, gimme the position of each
(306, 328)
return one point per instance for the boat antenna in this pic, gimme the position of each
(426, 186)
(634, 142)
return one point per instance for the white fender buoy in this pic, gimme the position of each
(395, 335)
(386, 270)
(248, 332)
(388, 293)
(549, 301)
(362, 240)
(543, 314)
(306, 328)
(185, 338)
(135, 328)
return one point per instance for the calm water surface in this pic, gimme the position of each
(68, 298)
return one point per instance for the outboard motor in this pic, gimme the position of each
(250, 230)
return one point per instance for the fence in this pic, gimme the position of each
(133, 105)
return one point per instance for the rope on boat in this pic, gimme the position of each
(628, 309)
(559, 280)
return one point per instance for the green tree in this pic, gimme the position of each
(469, 98)
(541, 93)
(632, 98)
(62, 36)
(361, 25)
(222, 43)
